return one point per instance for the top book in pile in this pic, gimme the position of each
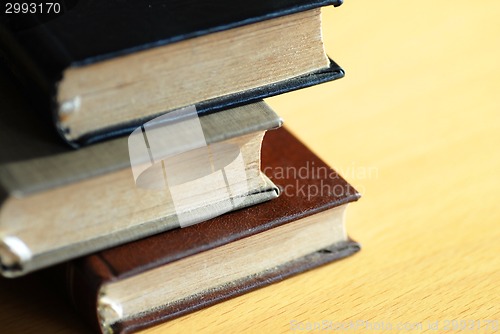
(105, 67)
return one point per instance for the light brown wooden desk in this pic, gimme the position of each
(415, 125)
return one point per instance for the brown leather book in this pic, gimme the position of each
(146, 282)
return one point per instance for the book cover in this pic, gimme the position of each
(40, 48)
(317, 190)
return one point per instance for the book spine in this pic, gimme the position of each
(32, 77)
(83, 280)
(22, 64)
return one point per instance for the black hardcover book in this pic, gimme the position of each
(105, 67)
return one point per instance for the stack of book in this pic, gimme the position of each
(165, 198)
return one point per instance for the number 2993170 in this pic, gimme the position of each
(32, 8)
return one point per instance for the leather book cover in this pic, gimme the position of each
(281, 149)
(39, 47)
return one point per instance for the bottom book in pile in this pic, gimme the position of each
(146, 282)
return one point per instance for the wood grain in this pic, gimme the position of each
(415, 125)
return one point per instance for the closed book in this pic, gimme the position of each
(57, 203)
(146, 282)
(103, 67)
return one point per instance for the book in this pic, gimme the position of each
(57, 203)
(105, 66)
(149, 281)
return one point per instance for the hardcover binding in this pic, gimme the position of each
(40, 51)
(240, 287)
(333, 72)
(281, 149)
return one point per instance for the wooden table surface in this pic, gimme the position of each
(415, 126)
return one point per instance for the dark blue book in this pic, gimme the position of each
(102, 68)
